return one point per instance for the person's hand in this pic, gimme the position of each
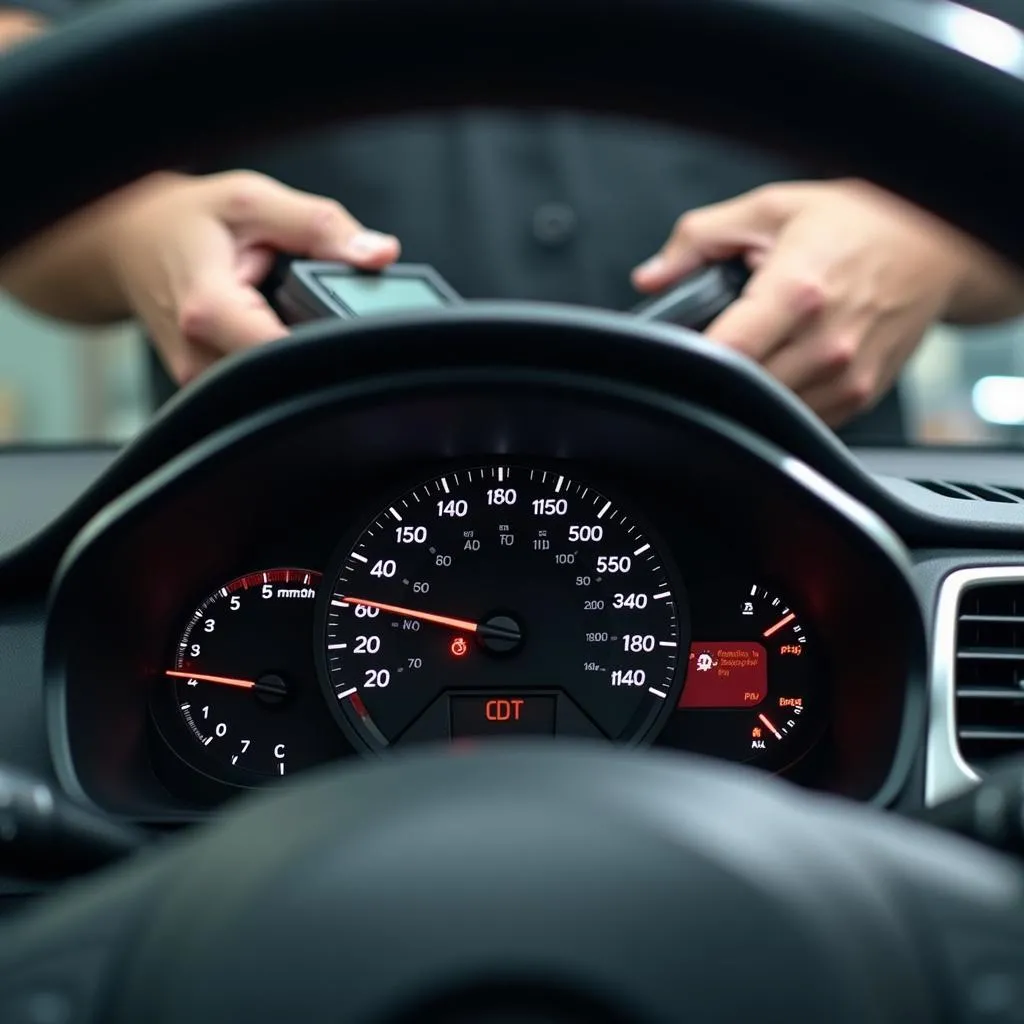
(188, 255)
(17, 26)
(846, 280)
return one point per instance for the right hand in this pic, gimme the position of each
(189, 255)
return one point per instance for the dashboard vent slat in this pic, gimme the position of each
(990, 673)
(999, 493)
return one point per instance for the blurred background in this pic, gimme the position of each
(60, 386)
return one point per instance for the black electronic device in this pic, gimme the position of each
(314, 290)
(699, 298)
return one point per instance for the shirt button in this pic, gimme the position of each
(554, 224)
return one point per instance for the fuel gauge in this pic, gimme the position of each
(751, 691)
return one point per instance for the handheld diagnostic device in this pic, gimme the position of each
(314, 290)
(698, 298)
(320, 291)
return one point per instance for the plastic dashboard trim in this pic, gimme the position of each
(863, 519)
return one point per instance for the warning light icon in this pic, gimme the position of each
(459, 647)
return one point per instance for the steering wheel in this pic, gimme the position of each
(525, 882)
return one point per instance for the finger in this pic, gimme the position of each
(229, 317)
(836, 407)
(816, 357)
(747, 224)
(265, 212)
(874, 368)
(774, 306)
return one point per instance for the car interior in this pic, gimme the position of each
(506, 662)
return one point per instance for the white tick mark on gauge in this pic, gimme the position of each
(346, 693)
(657, 693)
(558, 484)
(444, 484)
(336, 647)
(668, 643)
(337, 604)
(394, 512)
(662, 595)
(207, 741)
(223, 591)
(641, 550)
(358, 557)
(501, 474)
(607, 505)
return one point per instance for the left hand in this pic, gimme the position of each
(847, 279)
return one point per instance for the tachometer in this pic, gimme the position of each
(499, 601)
(239, 700)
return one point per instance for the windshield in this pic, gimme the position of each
(517, 207)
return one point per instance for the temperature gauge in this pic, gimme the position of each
(750, 692)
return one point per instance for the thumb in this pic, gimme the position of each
(744, 226)
(262, 211)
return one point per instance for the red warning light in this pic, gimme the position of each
(459, 647)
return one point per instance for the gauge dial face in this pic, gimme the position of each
(750, 692)
(503, 601)
(244, 682)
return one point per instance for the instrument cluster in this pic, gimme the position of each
(461, 563)
(493, 600)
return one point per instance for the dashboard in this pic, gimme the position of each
(312, 569)
(467, 558)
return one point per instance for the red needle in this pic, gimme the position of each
(778, 625)
(245, 684)
(412, 613)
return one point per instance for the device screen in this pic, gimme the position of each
(367, 294)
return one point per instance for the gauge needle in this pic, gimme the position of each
(778, 625)
(245, 684)
(778, 735)
(484, 629)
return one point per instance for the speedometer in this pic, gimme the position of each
(503, 601)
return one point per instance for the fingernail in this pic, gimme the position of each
(651, 268)
(368, 244)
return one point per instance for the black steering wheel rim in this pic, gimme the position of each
(890, 103)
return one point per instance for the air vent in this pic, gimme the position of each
(974, 492)
(990, 672)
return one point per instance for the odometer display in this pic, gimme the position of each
(503, 601)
